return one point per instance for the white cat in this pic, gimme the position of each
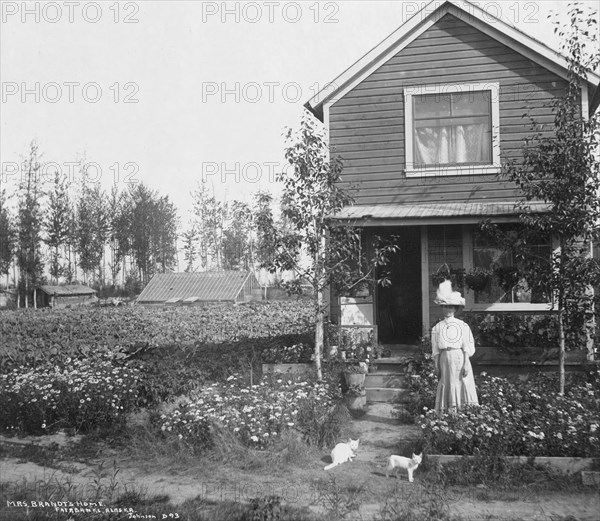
(343, 452)
(409, 464)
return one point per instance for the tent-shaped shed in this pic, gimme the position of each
(200, 288)
(72, 295)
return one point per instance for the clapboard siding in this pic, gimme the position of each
(367, 124)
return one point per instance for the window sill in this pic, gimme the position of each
(453, 170)
(520, 306)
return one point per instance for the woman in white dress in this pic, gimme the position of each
(452, 346)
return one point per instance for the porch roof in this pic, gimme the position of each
(437, 213)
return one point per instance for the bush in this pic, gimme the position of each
(522, 419)
(256, 414)
(509, 332)
(81, 395)
(301, 353)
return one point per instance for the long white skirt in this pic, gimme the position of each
(453, 390)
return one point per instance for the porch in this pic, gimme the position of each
(389, 381)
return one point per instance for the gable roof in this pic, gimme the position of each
(204, 286)
(469, 13)
(71, 290)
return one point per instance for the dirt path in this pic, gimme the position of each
(309, 485)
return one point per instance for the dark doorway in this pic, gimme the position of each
(399, 312)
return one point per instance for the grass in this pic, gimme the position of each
(353, 491)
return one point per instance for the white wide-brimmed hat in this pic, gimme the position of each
(446, 297)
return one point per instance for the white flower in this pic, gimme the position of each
(254, 438)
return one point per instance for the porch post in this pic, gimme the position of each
(425, 280)
(467, 255)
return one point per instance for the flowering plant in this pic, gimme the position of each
(80, 395)
(521, 419)
(356, 368)
(294, 354)
(356, 390)
(256, 414)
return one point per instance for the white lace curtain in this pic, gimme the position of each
(453, 144)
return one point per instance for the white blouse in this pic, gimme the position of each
(452, 333)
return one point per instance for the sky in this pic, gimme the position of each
(170, 92)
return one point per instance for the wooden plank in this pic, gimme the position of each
(402, 60)
(467, 258)
(369, 116)
(456, 47)
(397, 106)
(424, 279)
(445, 76)
(373, 126)
(375, 196)
(357, 101)
(366, 146)
(438, 185)
(500, 56)
(465, 67)
(366, 162)
(428, 196)
(377, 153)
(373, 138)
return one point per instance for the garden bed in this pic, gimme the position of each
(521, 416)
(287, 368)
(564, 465)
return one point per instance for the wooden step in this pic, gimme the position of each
(390, 365)
(387, 394)
(385, 380)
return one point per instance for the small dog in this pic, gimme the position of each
(410, 464)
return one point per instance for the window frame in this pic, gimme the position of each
(410, 92)
(470, 305)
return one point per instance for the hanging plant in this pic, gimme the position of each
(478, 279)
(362, 289)
(447, 272)
(508, 277)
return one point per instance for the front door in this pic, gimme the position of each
(399, 313)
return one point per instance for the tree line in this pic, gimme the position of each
(58, 232)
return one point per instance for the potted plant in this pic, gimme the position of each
(447, 272)
(355, 373)
(356, 398)
(361, 289)
(478, 279)
(508, 277)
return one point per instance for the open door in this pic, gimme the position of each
(399, 309)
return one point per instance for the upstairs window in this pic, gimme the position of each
(453, 130)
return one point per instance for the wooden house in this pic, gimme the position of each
(200, 288)
(72, 295)
(423, 123)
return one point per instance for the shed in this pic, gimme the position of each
(196, 289)
(7, 298)
(72, 295)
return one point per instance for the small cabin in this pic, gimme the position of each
(59, 297)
